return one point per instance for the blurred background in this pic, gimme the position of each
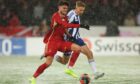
(35, 15)
(114, 38)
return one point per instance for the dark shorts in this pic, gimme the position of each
(79, 42)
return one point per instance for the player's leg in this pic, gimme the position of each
(85, 50)
(49, 59)
(73, 59)
(75, 48)
(63, 59)
(41, 69)
(66, 56)
(43, 66)
(75, 55)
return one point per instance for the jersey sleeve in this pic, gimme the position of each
(65, 23)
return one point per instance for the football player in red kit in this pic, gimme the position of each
(54, 39)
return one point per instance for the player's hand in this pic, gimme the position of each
(85, 26)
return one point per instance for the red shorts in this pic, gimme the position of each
(52, 47)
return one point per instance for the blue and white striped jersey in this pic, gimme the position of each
(74, 18)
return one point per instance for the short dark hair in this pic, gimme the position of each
(63, 2)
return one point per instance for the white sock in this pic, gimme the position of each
(93, 65)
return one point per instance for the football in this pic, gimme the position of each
(84, 79)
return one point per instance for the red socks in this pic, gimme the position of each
(40, 70)
(73, 59)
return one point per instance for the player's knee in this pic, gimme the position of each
(49, 63)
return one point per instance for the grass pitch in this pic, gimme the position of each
(118, 70)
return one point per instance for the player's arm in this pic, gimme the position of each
(66, 24)
(70, 25)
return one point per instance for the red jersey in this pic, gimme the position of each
(57, 33)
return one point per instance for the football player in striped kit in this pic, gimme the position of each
(74, 36)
